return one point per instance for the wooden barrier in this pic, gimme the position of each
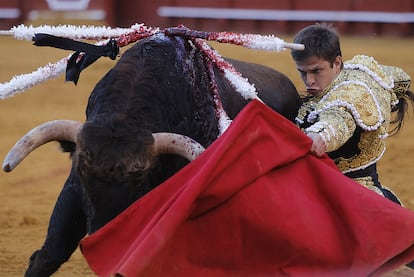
(10, 13)
(15, 12)
(360, 17)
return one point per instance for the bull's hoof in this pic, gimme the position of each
(40, 266)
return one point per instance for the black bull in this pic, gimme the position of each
(161, 84)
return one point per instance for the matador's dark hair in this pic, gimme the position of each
(320, 40)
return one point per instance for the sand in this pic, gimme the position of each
(28, 194)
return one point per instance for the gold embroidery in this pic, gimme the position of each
(361, 94)
(369, 184)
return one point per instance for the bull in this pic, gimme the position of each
(160, 85)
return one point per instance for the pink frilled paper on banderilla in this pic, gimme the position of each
(256, 203)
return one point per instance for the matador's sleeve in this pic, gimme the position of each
(336, 125)
(345, 106)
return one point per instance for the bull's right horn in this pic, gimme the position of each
(171, 143)
(50, 131)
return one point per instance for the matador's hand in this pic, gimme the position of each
(318, 145)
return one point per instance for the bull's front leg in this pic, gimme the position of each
(67, 226)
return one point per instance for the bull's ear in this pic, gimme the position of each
(67, 146)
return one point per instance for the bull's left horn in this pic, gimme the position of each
(50, 131)
(170, 143)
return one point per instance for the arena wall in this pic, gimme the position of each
(360, 17)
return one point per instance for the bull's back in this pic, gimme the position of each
(273, 87)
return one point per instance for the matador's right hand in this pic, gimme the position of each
(318, 144)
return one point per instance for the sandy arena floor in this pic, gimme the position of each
(28, 194)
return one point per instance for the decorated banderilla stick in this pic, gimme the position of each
(252, 41)
(126, 36)
(123, 37)
(20, 83)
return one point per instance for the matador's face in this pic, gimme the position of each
(317, 73)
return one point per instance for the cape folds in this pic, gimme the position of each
(256, 203)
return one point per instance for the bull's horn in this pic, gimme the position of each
(170, 143)
(50, 131)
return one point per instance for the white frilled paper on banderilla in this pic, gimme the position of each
(125, 36)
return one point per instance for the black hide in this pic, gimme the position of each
(159, 84)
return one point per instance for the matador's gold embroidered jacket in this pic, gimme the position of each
(353, 113)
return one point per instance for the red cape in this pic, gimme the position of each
(256, 203)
